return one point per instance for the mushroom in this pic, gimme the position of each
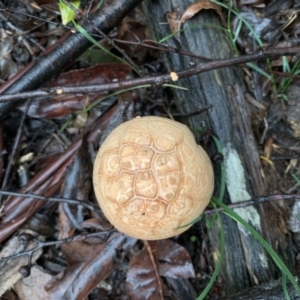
(151, 178)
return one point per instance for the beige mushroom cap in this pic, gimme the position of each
(150, 177)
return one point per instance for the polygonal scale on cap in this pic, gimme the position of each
(150, 177)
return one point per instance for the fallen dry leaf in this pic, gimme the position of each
(171, 259)
(194, 8)
(62, 104)
(9, 269)
(173, 18)
(80, 278)
(32, 287)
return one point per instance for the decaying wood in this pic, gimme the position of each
(246, 262)
(271, 290)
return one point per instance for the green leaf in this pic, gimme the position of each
(67, 13)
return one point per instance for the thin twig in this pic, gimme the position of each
(157, 80)
(86, 204)
(42, 244)
(162, 47)
(94, 207)
(255, 201)
(154, 264)
(14, 153)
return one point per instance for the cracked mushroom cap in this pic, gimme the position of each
(150, 177)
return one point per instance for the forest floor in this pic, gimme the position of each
(56, 241)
